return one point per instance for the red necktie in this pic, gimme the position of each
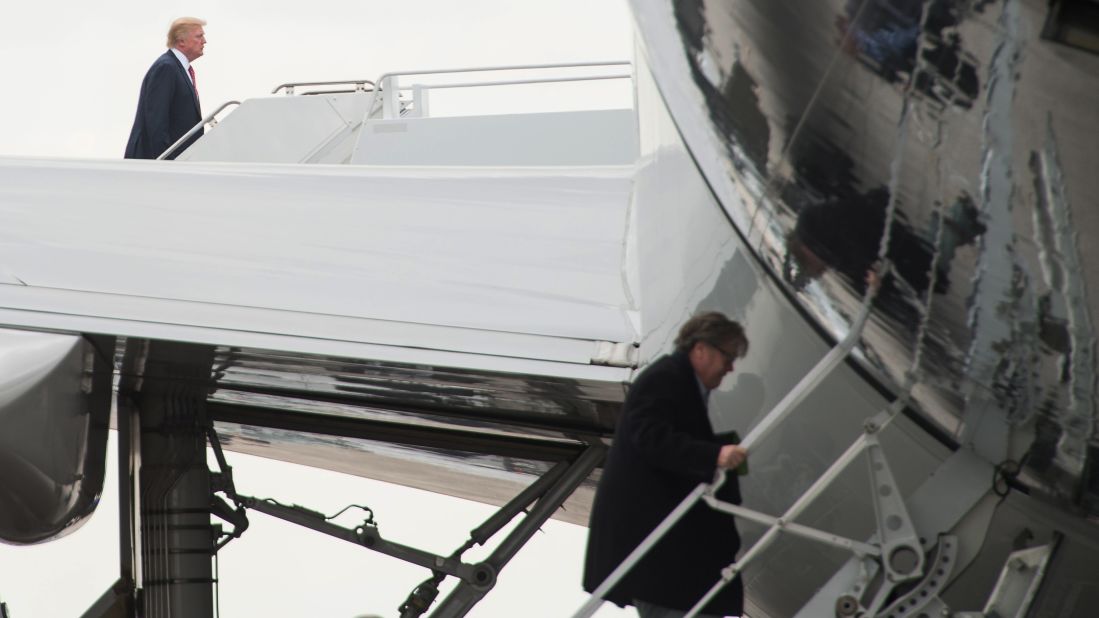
(194, 84)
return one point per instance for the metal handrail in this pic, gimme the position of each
(312, 93)
(382, 79)
(516, 82)
(360, 83)
(517, 67)
(832, 359)
(195, 129)
(513, 67)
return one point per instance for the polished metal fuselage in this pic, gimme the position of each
(949, 140)
(949, 146)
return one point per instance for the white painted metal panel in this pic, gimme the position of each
(504, 263)
(280, 129)
(601, 137)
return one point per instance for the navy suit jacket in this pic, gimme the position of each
(166, 109)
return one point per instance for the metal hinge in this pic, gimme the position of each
(614, 354)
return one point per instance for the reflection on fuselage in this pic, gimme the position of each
(935, 136)
(950, 145)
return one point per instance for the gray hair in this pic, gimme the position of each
(714, 328)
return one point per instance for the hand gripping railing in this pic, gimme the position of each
(706, 492)
(194, 129)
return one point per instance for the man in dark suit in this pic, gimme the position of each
(168, 106)
(663, 448)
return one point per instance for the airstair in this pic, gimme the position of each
(900, 571)
(385, 122)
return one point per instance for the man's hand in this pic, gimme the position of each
(731, 456)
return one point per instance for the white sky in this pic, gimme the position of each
(72, 71)
(277, 569)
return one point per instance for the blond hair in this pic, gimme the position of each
(181, 26)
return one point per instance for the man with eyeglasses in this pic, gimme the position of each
(663, 448)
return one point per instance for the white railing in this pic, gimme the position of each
(210, 119)
(705, 492)
(359, 85)
(389, 87)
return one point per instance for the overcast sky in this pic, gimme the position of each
(72, 71)
(277, 569)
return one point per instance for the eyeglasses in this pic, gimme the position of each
(729, 357)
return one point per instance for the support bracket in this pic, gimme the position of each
(543, 497)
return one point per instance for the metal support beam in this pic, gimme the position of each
(902, 555)
(366, 535)
(794, 528)
(421, 597)
(419, 101)
(129, 463)
(177, 537)
(117, 602)
(391, 102)
(481, 534)
(935, 508)
(467, 594)
(120, 600)
(127, 476)
(548, 493)
(867, 438)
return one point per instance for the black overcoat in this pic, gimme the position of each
(166, 109)
(663, 448)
